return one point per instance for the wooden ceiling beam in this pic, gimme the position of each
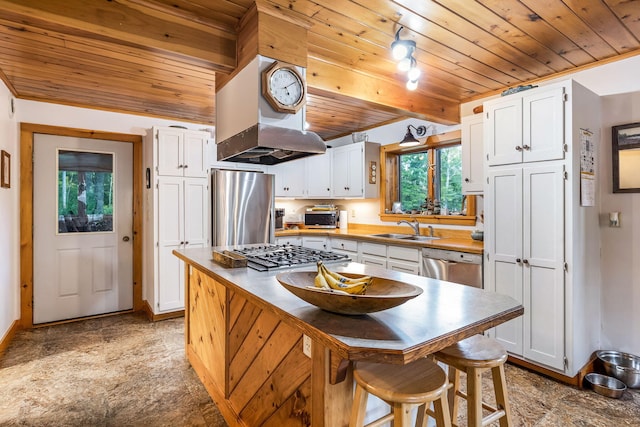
(130, 23)
(327, 78)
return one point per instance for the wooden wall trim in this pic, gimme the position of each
(27, 131)
(8, 337)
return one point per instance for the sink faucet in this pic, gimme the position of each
(413, 224)
(430, 230)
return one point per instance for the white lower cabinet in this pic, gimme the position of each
(406, 260)
(373, 254)
(345, 247)
(320, 243)
(289, 240)
(526, 258)
(182, 222)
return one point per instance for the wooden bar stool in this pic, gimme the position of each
(474, 356)
(403, 387)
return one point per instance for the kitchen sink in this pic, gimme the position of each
(401, 236)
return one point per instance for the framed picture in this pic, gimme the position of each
(5, 169)
(625, 157)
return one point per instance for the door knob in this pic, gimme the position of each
(125, 239)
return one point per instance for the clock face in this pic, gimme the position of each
(286, 87)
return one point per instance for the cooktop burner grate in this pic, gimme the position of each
(271, 257)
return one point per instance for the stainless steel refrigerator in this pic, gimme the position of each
(243, 207)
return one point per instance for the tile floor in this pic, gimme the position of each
(126, 371)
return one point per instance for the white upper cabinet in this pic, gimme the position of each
(319, 176)
(348, 171)
(472, 154)
(181, 152)
(352, 170)
(525, 127)
(290, 178)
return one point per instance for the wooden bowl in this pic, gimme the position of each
(381, 294)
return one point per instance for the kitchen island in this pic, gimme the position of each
(246, 337)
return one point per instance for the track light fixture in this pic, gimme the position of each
(402, 48)
(402, 51)
(409, 140)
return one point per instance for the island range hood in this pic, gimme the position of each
(249, 130)
(269, 145)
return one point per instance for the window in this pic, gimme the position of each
(432, 171)
(443, 186)
(85, 192)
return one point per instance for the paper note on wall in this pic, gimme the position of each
(587, 169)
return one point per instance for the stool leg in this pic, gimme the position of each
(441, 408)
(359, 408)
(452, 396)
(401, 414)
(474, 397)
(502, 401)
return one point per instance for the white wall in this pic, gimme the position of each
(394, 132)
(620, 246)
(9, 224)
(54, 115)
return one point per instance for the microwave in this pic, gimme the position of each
(321, 219)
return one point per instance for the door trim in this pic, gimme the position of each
(27, 131)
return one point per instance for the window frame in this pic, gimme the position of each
(389, 184)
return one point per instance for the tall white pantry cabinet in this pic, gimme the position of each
(176, 212)
(541, 245)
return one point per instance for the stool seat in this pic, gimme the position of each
(403, 387)
(477, 351)
(474, 356)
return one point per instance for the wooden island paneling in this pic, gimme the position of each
(244, 338)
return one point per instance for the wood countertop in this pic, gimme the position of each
(442, 315)
(448, 239)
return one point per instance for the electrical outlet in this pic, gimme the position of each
(353, 213)
(306, 345)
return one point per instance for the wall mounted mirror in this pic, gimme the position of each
(626, 158)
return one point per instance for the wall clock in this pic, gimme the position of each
(284, 87)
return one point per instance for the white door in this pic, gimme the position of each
(543, 259)
(82, 232)
(503, 244)
(543, 125)
(503, 131)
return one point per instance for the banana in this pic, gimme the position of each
(345, 279)
(320, 281)
(355, 288)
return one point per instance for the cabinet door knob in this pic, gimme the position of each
(125, 239)
(525, 261)
(526, 147)
(518, 148)
(466, 180)
(518, 260)
(185, 166)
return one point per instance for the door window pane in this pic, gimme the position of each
(85, 192)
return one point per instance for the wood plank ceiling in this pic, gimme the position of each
(160, 57)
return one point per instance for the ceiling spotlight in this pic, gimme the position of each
(412, 84)
(402, 48)
(414, 72)
(404, 65)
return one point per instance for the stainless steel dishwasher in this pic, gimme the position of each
(452, 266)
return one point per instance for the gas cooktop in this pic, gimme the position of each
(271, 257)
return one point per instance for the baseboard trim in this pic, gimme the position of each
(8, 337)
(162, 316)
(576, 381)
